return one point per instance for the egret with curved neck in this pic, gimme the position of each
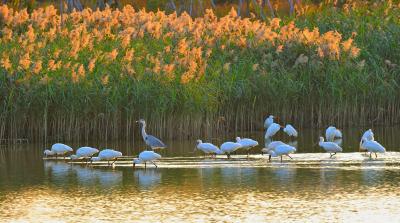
(150, 140)
(144, 134)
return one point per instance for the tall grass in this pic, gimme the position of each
(93, 77)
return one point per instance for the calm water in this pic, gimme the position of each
(188, 187)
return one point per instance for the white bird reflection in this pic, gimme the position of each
(147, 178)
(62, 172)
(57, 170)
(282, 173)
(372, 172)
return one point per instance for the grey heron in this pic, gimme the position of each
(150, 140)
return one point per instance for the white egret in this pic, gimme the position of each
(85, 153)
(369, 135)
(61, 149)
(290, 130)
(150, 140)
(207, 148)
(108, 155)
(268, 121)
(146, 156)
(272, 130)
(247, 144)
(372, 147)
(330, 147)
(230, 147)
(281, 150)
(271, 146)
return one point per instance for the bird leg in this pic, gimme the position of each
(228, 155)
(376, 155)
(145, 165)
(154, 164)
(281, 159)
(370, 155)
(108, 162)
(269, 158)
(289, 156)
(87, 160)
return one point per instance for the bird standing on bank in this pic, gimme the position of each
(247, 144)
(281, 150)
(60, 149)
(230, 147)
(372, 147)
(108, 155)
(271, 146)
(330, 147)
(207, 148)
(85, 152)
(146, 156)
(368, 135)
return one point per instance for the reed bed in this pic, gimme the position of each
(91, 75)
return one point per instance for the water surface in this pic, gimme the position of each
(189, 187)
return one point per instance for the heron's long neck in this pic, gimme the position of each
(144, 135)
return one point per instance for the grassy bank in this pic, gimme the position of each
(93, 75)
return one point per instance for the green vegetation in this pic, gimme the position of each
(231, 87)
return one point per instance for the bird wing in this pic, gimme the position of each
(210, 147)
(290, 130)
(330, 133)
(285, 149)
(272, 130)
(338, 133)
(154, 142)
(369, 135)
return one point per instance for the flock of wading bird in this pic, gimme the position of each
(273, 148)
